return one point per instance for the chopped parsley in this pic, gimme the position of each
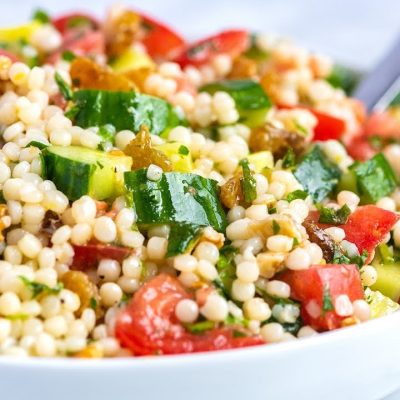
(200, 327)
(93, 303)
(68, 55)
(41, 16)
(275, 227)
(183, 150)
(40, 288)
(63, 86)
(226, 270)
(327, 304)
(289, 159)
(297, 194)
(328, 215)
(249, 184)
(340, 258)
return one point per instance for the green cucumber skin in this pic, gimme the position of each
(176, 198)
(123, 110)
(70, 177)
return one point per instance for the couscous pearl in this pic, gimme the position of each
(247, 271)
(47, 276)
(243, 291)
(5, 329)
(187, 311)
(74, 344)
(60, 138)
(236, 213)
(104, 229)
(337, 234)
(5, 172)
(207, 270)
(77, 329)
(257, 212)
(108, 270)
(256, 309)
(277, 189)
(61, 235)
(31, 307)
(84, 210)
(185, 263)
(123, 138)
(81, 233)
(298, 259)
(30, 194)
(157, 248)
(29, 245)
(125, 219)
(207, 251)
(110, 294)
(343, 305)
(9, 304)
(51, 306)
(387, 204)
(88, 317)
(279, 243)
(361, 310)
(278, 289)
(70, 300)
(154, 173)
(132, 267)
(306, 331)
(45, 345)
(128, 285)
(315, 253)
(11, 188)
(46, 258)
(188, 279)
(56, 326)
(348, 198)
(19, 73)
(369, 275)
(215, 308)
(272, 332)
(132, 239)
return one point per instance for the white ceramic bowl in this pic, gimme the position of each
(357, 363)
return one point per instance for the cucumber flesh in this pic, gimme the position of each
(388, 282)
(78, 171)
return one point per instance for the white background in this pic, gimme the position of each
(356, 32)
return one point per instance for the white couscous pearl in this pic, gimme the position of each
(387, 204)
(298, 259)
(207, 270)
(123, 138)
(187, 311)
(368, 275)
(9, 304)
(215, 308)
(256, 309)
(30, 245)
(157, 248)
(361, 310)
(84, 210)
(242, 291)
(125, 219)
(154, 173)
(132, 239)
(306, 331)
(337, 234)
(280, 243)
(247, 271)
(131, 267)
(272, 332)
(5, 329)
(345, 197)
(185, 263)
(45, 345)
(110, 294)
(81, 233)
(236, 213)
(278, 288)
(315, 253)
(207, 251)
(104, 229)
(108, 270)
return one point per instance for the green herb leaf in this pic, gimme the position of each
(275, 227)
(41, 16)
(297, 194)
(63, 86)
(386, 254)
(39, 145)
(200, 327)
(289, 159)
(328, 215)
(344, 78)
(318, 175)
(68, 55)
(93, 303)
(327, 299)
(249, 184)
(375, 178)
(40, 288)
(183, 150)
(226, 269)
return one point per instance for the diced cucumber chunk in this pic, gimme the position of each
(388, 282)
(379, 304)
(178, 154)
(261, 160)
(77, 171)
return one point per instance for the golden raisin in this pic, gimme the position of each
(90, 351)
(143, 154)
(79, 283)
(243, 67)
(86, 74)
(138, 76)
(121, 32)
(231, 191)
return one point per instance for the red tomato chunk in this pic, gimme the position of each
(148, 326)
(322, 291)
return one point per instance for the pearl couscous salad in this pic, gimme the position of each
(160, 196)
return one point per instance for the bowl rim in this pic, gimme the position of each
(222, 356)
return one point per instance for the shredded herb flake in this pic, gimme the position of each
(275, 227)
(289, 159)
(297, 194)
(41, 16)
(328, 215)
(40, 288)
(183, 150)
(63, 86)
(200, 327)
(249, 184)
(327, 304)
(68, 55)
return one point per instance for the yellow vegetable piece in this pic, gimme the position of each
(380, 305)
(261, 160)
(179, 156)
(20, 32)
(130, 60)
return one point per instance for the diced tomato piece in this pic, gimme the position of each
(320, 289)
(232, 42)
(366, 227)
(328, 126)
(160, 40)
(361, 149)
(74, 20)
(148, 325)
(384, 125)
(89, 255)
